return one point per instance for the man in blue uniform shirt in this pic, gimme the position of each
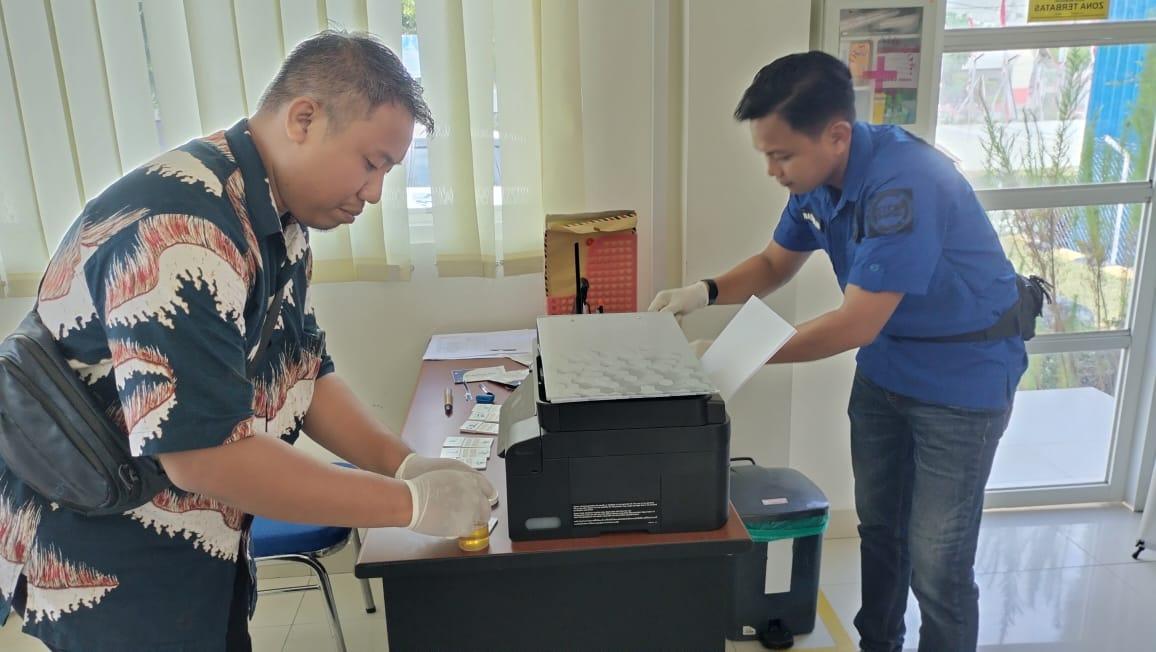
(918, 260)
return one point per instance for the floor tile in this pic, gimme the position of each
(350, 604)
(268, 639)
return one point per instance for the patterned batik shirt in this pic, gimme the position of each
(157, 295)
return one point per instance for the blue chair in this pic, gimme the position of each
(276, 541)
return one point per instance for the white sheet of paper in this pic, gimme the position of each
(468, 346)
(524, 359)
(755, 333)
(780, 559)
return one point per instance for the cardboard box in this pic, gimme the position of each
(607, 259)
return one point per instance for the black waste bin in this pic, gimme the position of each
(775, 504)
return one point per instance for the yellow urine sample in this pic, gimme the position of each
(479, 539)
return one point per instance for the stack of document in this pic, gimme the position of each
(473, 346)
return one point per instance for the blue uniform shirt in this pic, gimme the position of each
(907, 221)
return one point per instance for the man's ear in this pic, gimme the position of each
(300, 118)
(839, 133)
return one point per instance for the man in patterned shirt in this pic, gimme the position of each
(156, 295)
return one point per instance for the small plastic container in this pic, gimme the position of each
(477, 540)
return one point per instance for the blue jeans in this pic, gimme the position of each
(920, 472)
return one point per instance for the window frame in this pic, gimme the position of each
(1133, 451)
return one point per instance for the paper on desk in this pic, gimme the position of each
(481, 373)
(497, 375)
(755, 333)
(524, 359)
(470, 346)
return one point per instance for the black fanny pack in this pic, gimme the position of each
(1019, 320)
(57, 440)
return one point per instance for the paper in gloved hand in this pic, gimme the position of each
(750, 339)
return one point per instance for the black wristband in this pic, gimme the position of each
(711, 291)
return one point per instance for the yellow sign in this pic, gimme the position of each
(1040, 11)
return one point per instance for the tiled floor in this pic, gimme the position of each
(1058, 580)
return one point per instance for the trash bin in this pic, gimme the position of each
(775, 504)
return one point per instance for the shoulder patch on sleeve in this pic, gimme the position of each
(890, 212)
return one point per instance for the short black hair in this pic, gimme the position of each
(807, 90)
(345, 72)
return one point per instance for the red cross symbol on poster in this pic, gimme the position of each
(880, 74)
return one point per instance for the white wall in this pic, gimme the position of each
(820, 431)
(617, 60)
(11, 312)
(731, 205)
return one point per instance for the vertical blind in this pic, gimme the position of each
(91, 89)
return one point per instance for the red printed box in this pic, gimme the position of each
(596, 253)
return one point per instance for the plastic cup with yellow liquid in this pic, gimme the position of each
(478, 539)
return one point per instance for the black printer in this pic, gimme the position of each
(593, 457)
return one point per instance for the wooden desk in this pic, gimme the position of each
(633, 591)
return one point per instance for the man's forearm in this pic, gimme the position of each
(854, 324)
(340, 422)
(760, 274)
(822, 337)
(753, 277)
(263, 475)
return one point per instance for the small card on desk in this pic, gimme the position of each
(479, 428)
(480, 443)
(486, 414)
(474, 451)
(475, 458)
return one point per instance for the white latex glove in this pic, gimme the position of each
(414, 465)
(682, 301)
(448, 503)
(700, 347)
